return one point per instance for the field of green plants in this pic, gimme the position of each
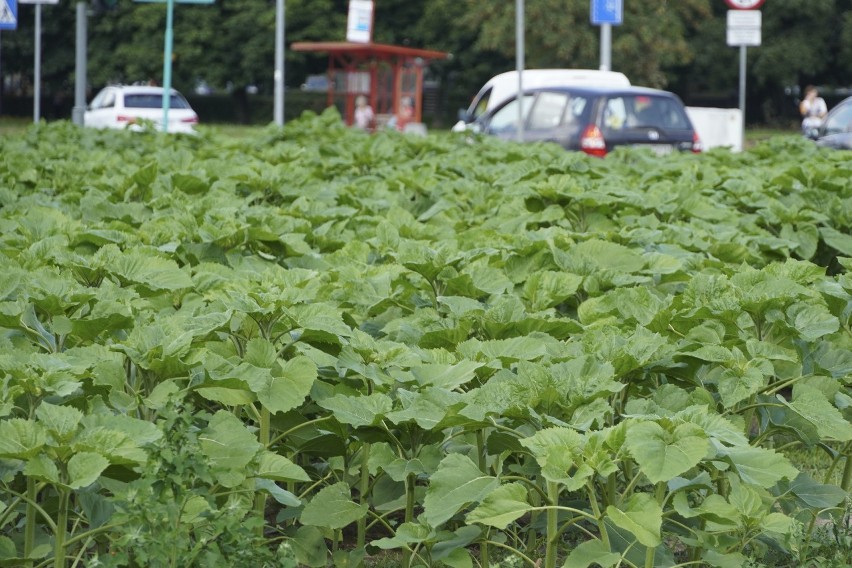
(311, 346)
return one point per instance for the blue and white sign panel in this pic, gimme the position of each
(607, 12)
(8, 14)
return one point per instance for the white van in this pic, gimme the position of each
(504, 86)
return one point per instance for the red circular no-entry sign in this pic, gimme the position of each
(744, 4)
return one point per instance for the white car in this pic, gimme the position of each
(132, 106)
(504, 86)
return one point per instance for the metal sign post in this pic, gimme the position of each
(167, 52)
(743, 30)
(606, 13)
(78, 113)
(520, 55)
(278, 75)
(37, 58)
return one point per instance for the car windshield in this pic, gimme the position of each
(153, 100)
(644, 111)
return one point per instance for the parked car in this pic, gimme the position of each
(836, 129)
(131, 106)
(596, 119)
(500, 88)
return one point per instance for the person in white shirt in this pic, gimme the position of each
(813, 110)
(364, 115)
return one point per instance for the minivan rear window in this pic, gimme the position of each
(644, 111)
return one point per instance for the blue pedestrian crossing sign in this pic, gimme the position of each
(8, 14)
(607, 12)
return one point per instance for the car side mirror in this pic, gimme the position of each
(464, 116)
(812, 133)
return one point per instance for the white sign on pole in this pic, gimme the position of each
(359, 25)
(744, 27)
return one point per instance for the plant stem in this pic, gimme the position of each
(29, 529)
(484, 559)
(61, 528)
(593, 502)
(651, 550)
(846, 482)
(552, 525)
(409, 513)
(260, 498)
(363, 490)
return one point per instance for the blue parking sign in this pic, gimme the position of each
(605, 12)
(8, 14)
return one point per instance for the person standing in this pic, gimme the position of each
(364, 116)
(405, 114)
(813, 109)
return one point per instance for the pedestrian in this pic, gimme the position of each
(813, 109)
(405, 114)
(365, 118)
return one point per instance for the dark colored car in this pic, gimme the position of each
(597, 119)
(836, 129)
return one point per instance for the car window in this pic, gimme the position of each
(548, 110)
(505, 119)
(481, 105)
(654, 111)
(839, 121)
(107, 100)
(615, 113)
(153, 100)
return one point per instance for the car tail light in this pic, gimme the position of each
(592, 141)
(190, 120)
(125, 118)
(697, 147)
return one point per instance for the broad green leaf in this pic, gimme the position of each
(21, 439)
(310, 548)
(229, 446)
(285, 390)
(281, 496)
(458, 558)
(261, 353)
(426, 408)
(837, 240)
(591, 552)
(547, 289)
(150, 270)
(812, 405)
(503, 505)
(642, 516)
(457, 482)
(812, 321)
(737, 384)
(332, 507)
(445, 376)
(84, 468)
(558, 451)
(407, 533)
(358, 410)
(759, 466)
(724, 560)
(665, 453)
(279, 468)
(61, 421)
(42, 467)
(815, 494)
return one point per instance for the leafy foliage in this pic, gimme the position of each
(315, 344)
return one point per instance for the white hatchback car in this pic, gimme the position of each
(131, 106)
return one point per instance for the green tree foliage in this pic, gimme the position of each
(677, 45)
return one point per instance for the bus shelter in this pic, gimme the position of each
(385, 74)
